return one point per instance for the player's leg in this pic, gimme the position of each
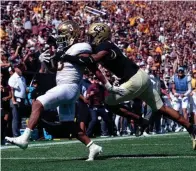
(123, 111)
(66, 116)
(50, 100)
(152, 98)
(83, 115)
(135, 86)
(94, 149)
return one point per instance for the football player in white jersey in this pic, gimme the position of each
(66, 92)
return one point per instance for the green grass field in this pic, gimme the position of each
(156, 153)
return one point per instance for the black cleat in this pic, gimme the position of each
(139, 131)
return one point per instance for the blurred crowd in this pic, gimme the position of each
(159, 36)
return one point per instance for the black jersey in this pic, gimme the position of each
(116, 62)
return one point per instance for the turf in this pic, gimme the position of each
(164, 153)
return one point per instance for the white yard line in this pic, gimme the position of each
(109, 158)
(95, 140)
(153, 157)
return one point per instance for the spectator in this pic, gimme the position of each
(181, 89)
(95, 95)
(18, 85)
(153, 34)
(36, 91)
(83, 111)
(5, 107)
(193, 95)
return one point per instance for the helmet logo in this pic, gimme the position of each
(99, 28)
(70, 27)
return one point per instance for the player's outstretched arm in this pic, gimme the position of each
(90, 62)
(93, 67)
(84, 59)
(106, 83)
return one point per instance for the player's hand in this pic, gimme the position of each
(45, 56)
(118, 90)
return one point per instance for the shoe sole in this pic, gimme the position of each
(22, 147)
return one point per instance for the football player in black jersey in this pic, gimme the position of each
(134, 81)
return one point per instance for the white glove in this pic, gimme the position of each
(114, 89)
(45, 56)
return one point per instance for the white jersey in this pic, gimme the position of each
(72, 73)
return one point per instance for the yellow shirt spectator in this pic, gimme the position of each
(159, 50)
(37, 9)
(132, 21)
(193, 83)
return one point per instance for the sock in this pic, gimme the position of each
(27, 134)
(89, 144)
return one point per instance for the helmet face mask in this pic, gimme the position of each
(90, 39)
(98, 32)
(64, 39)
(68, 32)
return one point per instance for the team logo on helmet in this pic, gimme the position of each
(98, 32)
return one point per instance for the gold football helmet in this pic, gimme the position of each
(98, 32)
(68, 31)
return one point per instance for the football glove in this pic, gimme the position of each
(46, 57)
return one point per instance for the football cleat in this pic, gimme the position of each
(139, 131)
(18, 141)
(194, 144)
(94, 151)
(193, 136)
